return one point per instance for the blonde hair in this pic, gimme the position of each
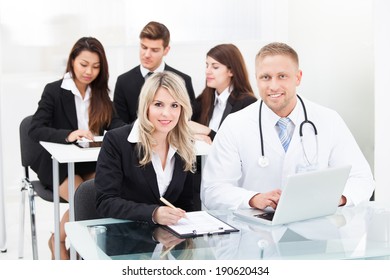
(277, 48)
(180, 136)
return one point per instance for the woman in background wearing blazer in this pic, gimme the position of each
(227, 90)
(75, 107)
(153, 157)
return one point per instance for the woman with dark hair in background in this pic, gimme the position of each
(227, 90)
(75, 107)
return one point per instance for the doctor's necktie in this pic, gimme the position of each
(284, 134)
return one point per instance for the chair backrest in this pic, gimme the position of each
(29, 149)
(85, 201)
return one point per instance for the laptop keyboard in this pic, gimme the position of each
(268, 216)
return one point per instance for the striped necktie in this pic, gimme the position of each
(284, 134)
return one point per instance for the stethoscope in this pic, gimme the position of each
(264, 161)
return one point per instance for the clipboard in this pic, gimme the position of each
(199, 223)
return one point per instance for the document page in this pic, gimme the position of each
(200, 223)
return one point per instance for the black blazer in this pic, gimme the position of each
(232, 105)
(54, 119)
(127, 191)
(128, 88)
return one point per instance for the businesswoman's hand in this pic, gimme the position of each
(200, 131)
(165, 215)
(203, 138)
(79, 134)
(198, 128)
(264, 200)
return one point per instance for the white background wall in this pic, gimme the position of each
(382, 100)
(335, 41)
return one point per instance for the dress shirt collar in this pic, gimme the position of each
(293, 116)
(164, 176)
(134, 133)
(145, 71)
(223, 97)
(69, 84)
(170, 155)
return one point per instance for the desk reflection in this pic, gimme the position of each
(135, 240)
(352, 233)
(339, 236)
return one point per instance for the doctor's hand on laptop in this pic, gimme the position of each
(271, 199)
(264, 200)
(343, 201)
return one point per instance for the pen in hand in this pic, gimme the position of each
(167, 203)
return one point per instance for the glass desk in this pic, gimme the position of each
(352, 233)
(71, 154)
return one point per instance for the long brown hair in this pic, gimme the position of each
(100, 109)
(230, 56)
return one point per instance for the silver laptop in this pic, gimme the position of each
(306, 195)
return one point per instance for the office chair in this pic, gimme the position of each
(85, 201)
(29, 150)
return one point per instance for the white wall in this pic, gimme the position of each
(3, 238)
(382, 100)
(335, 42)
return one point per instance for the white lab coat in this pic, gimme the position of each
(232, 175)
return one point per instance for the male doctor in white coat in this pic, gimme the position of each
(238, 175)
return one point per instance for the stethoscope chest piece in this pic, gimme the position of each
(263, 161)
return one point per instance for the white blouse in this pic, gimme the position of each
(164, 176)
(219, 108)
(82, 105)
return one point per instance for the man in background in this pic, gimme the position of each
(154, 45)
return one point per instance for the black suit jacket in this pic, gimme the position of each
(54, 119)
(128, 88)
(232, 105)
(125, 190)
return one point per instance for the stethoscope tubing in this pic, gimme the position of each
(263, 161)
(305, 121)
